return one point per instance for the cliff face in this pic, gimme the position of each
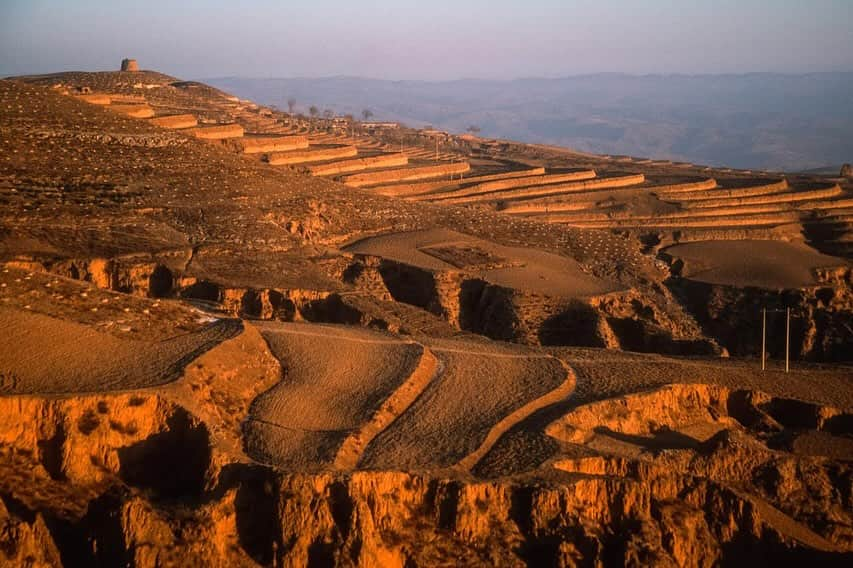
(618, 320)
(688, 317)
(821, 316)
(124, 479)
(397, 519)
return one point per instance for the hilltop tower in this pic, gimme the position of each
(129, 65)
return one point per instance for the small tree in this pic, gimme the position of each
(328, 115)
(313, 111)
(291, 104)
(473, 129)
(367, 114)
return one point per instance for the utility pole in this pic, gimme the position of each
(763, 338)
(787, 339)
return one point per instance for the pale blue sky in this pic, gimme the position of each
(437, 39)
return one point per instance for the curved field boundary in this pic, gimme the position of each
(346, 166)
(537, 208)
(352, 448)
(721, 221)
(94, 99)
(348, 338)
(444, 424)
(219, 132)
(787, 197)
(133, 111)
(404, 174)
(512, 419)
(566, 212)
(311, 155)
(118, 98)
(764, 233)
(175, 121)
(416, 189)
(686, 187)
(511, 183)
(840, 203)
(750, 191)
(571, 217)
(571, 201)
(545, 190)
(257, 145)
(334, 384)
(567, 215)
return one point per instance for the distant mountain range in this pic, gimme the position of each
(755, 121)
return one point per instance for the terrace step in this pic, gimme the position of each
(495, 186)
(713, 221)
(553, 189)
(424, 188)
(359, 164)
(217, 132)
(174, 121)
(406, 174)
(133, 111)
(263, 144)
(310, 154)
(750, 191)
(787, 197)
(94, 98)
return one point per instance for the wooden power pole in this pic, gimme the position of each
(787, 339)
(763, 338)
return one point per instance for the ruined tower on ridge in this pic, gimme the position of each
(129, 65)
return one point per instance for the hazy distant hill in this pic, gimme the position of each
(768, 121)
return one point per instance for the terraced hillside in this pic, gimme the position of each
(232, 336)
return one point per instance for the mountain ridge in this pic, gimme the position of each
(771, 121)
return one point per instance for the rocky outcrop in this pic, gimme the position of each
(25, 539)
(821, 316)
(142, 439)
(619, 320)
(140, 275)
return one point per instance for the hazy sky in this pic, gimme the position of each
(433, 39)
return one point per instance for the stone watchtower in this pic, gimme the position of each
(129, 65)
